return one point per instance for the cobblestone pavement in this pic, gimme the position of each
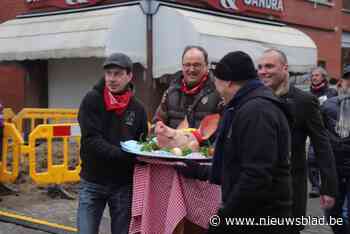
(64, 212)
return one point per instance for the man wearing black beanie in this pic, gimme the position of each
(251, 160)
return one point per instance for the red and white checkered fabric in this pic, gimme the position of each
(162, 198)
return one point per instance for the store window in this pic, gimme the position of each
(325, 2)
(346, 4)
(321, 63)
(345, 56)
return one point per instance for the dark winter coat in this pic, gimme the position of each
(308, 122)
(324, 91)
(256, 177)
(322, 94)
(103, 161)
(341, 147)
(175, 105)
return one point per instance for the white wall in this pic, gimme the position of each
(70, 79)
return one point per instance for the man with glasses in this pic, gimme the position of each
(191, 93)
(192, 96)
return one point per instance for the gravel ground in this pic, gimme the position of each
(36, 203)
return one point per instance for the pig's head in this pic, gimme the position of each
(169, 138)
(165, 135)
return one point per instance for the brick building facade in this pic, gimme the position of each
(28, 82)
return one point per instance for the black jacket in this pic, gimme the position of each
(256, 164)
(324, 91)
(341, 146)
(308, 122)
(103, 161)
(323, 95)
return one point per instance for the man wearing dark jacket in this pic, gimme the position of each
(336, 115)
(320, 88)
(320, 84)
(191, 93)
(192, 96)
(108, 114)
(273, 71)
(252, 152)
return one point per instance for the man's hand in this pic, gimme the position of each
(326, 202)
(193, 170)
(188, 169)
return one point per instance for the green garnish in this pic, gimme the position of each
(186, 151)
(149, 146)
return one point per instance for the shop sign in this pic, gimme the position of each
(64, 4)
(271, 7)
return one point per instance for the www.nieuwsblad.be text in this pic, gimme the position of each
(215, 221)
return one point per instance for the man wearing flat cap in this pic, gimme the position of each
(336, 116)
(108, 114)
(251, 159)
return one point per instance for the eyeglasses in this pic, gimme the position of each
(195, 66)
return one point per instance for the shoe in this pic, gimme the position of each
(315, 192)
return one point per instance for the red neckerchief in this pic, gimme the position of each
(117, 103)
(316, 88)
(194, 90)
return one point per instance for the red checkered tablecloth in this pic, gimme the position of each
(162, 198)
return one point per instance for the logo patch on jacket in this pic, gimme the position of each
(205, 100)
(130, 118)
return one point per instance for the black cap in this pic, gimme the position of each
(235, 66)
(346, 74)
(118, 59)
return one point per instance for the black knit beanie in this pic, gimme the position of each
(235, 66)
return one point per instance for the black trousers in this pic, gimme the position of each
(313, 169)
(299, 185)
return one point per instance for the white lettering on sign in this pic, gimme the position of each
(275, 5)
(229, 4)
(68, 2)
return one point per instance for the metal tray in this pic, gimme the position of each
(135, 148)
